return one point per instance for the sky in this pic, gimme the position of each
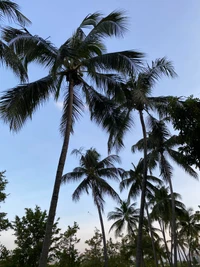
(156, 27)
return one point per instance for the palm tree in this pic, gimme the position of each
(93, 172)
(162, 211)
(189, 231)
(126, 216)
(11, 11)
(160, 145)
(132, 95)
(133, 179)
(80, 59)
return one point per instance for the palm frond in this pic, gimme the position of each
(113, 24)
(119, 225)
(91, 20)
(126, 62)
(173, 141)
(106, 82)
(77, 152)
(42, 51)
(153, 73)
(160, 104)
(114, 215)
(109, 173)
(74, 176)
(117, 124)
(182, 162)
(111, 118)
(10, 33)
(9, 59)
(81, 188)
(19, 103)
(125, 183)
(165, 168)
(106, 189)
(11, 10)
(77, 110)
(158, 129)
(109, 161)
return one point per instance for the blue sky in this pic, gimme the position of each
(158, 28)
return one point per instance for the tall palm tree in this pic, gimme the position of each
(93, 172)
(160, 145)
(125, 216)
(11, 11)
(189, 230)
(133, 179)
(132, 95)
(80, 60)
(162, 212)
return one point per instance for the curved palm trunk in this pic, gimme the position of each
(105, 253)
(56, 189)
(174, 235)
(151, 233)
(143, 194)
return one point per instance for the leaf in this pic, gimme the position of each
(77, 110)
(19, 103)
(10, 10)
(9, 59)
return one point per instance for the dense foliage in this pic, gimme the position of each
(185, 116)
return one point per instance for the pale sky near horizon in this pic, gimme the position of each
(158, 28)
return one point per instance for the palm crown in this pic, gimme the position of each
(160, 144)
(124, 216)
(133, 179)
(130, 94)
(80, 61)
(93, 173)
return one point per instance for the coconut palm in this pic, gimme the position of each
(160, 145)
(133, 179)
(78, 64)
(132, 95)
(11, 11)
(125, 216)
(160, 201)
(189, 231)
(93, 172)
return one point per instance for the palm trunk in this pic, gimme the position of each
(174, 235)
(56, 189)
(186, 258)
(161, 261)
(151, 233)
(105, 253)
(179, 254)
(189, 256)
(143, 194)
(165, 242)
